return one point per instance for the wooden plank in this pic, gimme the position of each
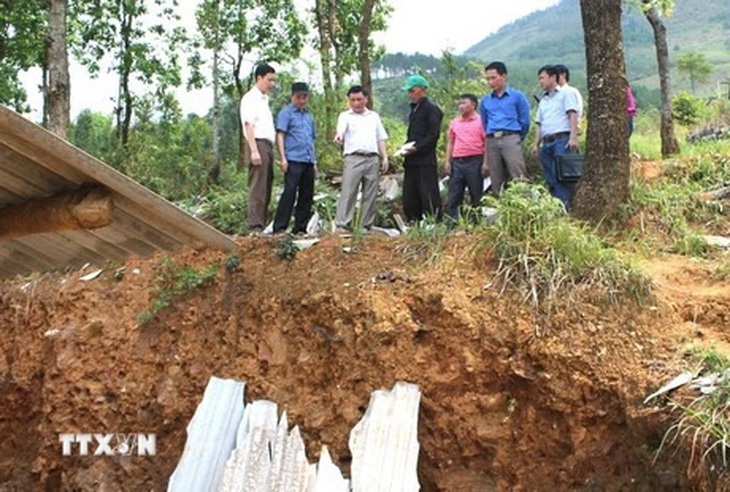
(22, 256)
(147, 225)
(35, 175)
(17, 133)
(107, 249)
(65, 251)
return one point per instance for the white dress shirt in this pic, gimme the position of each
(255, 111)
(578, 96)
(361, 131)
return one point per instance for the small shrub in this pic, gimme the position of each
(541, 248)
(174, 281)
(687, 109)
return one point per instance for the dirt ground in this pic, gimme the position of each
(502, 409)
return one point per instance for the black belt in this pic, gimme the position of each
(502, 133)
(468, 157)
(364, 154)
(554, 137)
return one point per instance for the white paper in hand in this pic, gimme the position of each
(405, 148)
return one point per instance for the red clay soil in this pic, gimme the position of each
(501, 409)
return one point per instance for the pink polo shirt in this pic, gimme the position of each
(467, 135)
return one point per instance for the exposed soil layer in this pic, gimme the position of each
(502, 409)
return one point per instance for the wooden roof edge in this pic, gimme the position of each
(24, 129)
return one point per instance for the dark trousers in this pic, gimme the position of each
(421, 192)
(466, 172)
(299, 187)
(260, 179)
(548, 159)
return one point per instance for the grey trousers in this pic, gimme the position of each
(260, 179)
(358, 170)
(505, 160)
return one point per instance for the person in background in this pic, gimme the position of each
(630, 108)
(420, 181)
(466, 157)
(564, 83)
(259, 132)
(505, 116)
(363, 137)
(295, 137)
(557, 130)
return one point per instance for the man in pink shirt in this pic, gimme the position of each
(466, 157)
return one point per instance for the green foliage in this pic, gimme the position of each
(287, 249)
(672, 205)
(94, 133)
(701, 424)
(686, 108)
(223, 207)
(174, 281)
(543, 250)
(23, 27)
(695, 67)
(170, 156)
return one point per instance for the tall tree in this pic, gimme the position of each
(144, 39)
(373, 15)
(345, 45)
(695, 67)
(605, 183)
(652, 10)
(58, 89)
(210, 24)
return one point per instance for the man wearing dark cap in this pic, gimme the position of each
(295, 139)
(420, 182)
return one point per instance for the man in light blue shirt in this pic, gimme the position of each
(506, 119)
(557, 130)
(295, 136)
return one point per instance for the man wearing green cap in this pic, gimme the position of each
(420, 183)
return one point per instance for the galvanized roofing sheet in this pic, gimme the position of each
(35, 164)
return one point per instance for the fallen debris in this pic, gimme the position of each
(718, 241)
(384, 444)
(235, 448)
(211, 438)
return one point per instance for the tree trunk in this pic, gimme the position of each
(605, 182)
(325, 46)
(215, 170)
(59, 84)
(364, 49)
(670, 145)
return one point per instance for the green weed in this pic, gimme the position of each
(174, 281)
(702, 423)
(541, 249)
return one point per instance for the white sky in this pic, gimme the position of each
(413, 27)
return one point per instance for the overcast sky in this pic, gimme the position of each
(413, 27)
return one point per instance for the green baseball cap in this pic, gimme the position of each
(415, 81)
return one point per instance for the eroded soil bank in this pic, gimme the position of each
(501, 409)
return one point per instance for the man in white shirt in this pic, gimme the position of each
(259, 132)
(557, 130)
(362, 135)
(564, 83)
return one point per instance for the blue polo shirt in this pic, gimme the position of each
(509, 112)
(297, 125)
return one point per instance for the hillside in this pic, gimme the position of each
(555, 35)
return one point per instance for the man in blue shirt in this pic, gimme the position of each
(506, 119)
(295, 136)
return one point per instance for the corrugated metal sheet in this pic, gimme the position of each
(35, 163)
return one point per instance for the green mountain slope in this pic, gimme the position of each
(555, 35)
